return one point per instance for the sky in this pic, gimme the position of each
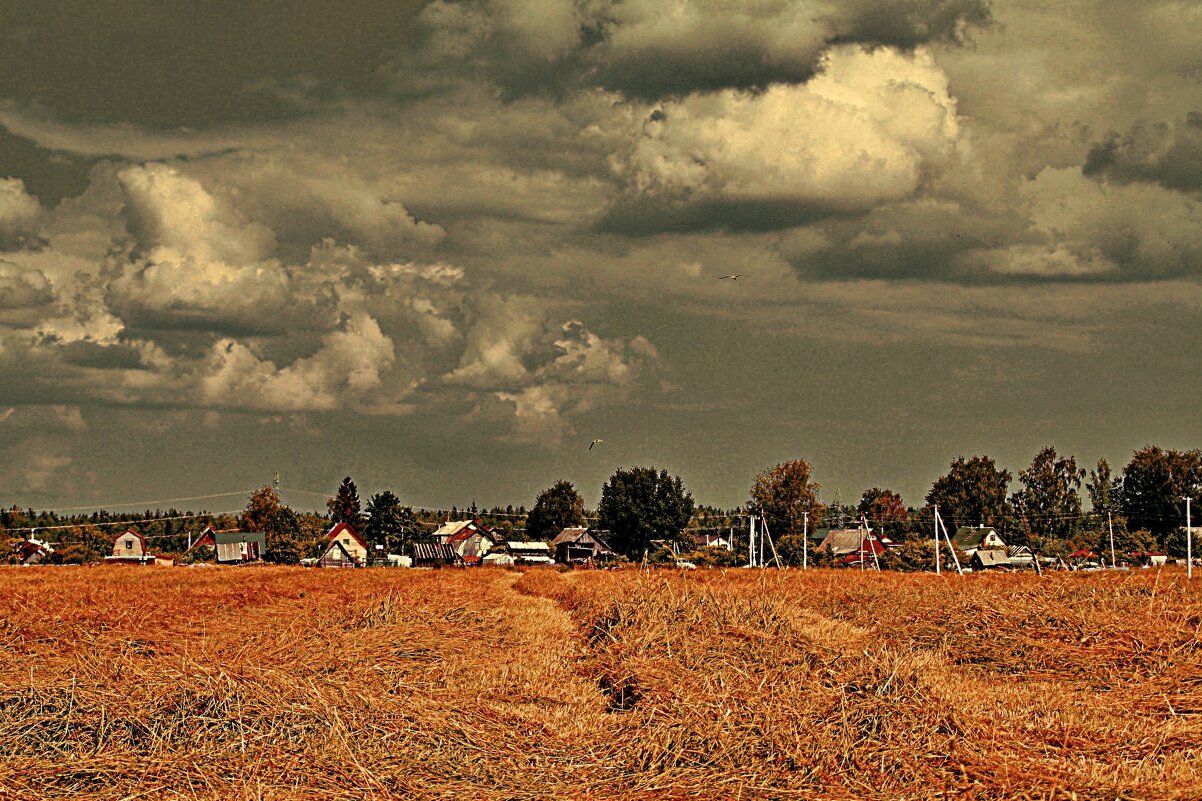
(440, 247)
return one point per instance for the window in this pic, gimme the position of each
(129, 545)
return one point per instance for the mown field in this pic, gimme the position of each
(121, 683)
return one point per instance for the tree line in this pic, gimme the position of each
(647, 513)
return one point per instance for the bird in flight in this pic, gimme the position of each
(595, 442)
(733, 276)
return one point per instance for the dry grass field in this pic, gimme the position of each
(122, 683)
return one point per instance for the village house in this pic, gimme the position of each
(130, 548)
(32, 551)
(971, 539)
(470, 538)
(578, 545)
(346, 548)
(849, 545)
(232, 546)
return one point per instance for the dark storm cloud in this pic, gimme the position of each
(181, 63)
(647, 217)
(1169, 154)
(91, 354)
(652, 50)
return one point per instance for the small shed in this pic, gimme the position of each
(990, 559)
(233, 546)
(130, 548)
(530, 553)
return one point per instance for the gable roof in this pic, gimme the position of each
(841, 541)
(573, 534)
(346, 555)
(137, 534)
(992, 557)
(338, 529)
(433, 552)
(967, 537)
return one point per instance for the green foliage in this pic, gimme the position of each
(201, 553)
(261, 509)
(344, 506)
(785, 493)
(1155, 483)
(639, 506)
(1105, 491)
(882, 506)
(919, 556)
(1051, 493)
(713, 556)
(792, 550)
(389, 523)
(556, 508)
(285, 541)
(973, 491)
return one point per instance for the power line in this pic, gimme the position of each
(156, 502)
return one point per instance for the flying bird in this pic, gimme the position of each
(595, 442)
(733, 276)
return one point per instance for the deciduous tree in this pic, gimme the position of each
(640, 505)
(1155, 482)
(556, 508)
(973, 491)
(1051, 493)
(785, 493)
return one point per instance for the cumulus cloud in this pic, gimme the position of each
(347, 366)
(19, 215)
(866, 130)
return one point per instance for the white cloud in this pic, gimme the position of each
(347, 366)
(863, 131)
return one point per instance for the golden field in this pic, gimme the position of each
(233, 683)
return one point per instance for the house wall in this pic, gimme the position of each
(128, 545)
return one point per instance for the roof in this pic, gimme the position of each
(1018, 551)
(843, 541)
(450, 529)
(137, 534)
(967, 537)
(1083, 553)
(228, 536)
(992, 557)
(536, 545)
(433, 552)
(338, 529)
(578, 535)
(337, 544)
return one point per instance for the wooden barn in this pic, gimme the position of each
(579, 545)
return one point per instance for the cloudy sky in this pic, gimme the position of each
(441, 246)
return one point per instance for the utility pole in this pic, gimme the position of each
(1189, 542)
(1110, 525)
(275, 483)
(805, 540)
(936, 539)
(751, 542)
